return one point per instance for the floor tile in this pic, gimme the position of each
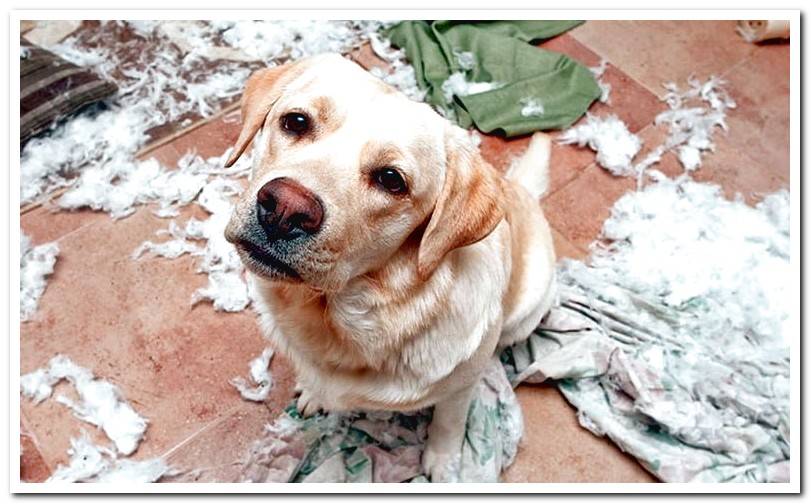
(43, 224)
(653, 52)
(131, 322)
(578, 210)
(33, 467)
(555, 448)
(211, 139)
(759, 126)
(214, 455)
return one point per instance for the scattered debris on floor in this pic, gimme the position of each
(609, 137)
(674, 340)
(605, 88)
(100, 404)
(169, 82)
(692, 118)
(166, 89)
(260, 376)
(90, 463)
(227, 289)
(386, 446)
(36, 263)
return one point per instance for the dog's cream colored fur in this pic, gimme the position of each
(401, 300)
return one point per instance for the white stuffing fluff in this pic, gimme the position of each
(36, 263)
(262, 381)
(90, 463)
(692, 118)
(401, 74)
(175, 82)
(100, 402)
(170, 88)
(610, 138)
(728, 254)
(226, 287)
(465, 59)
(458, 85)
(605, 88)
(531, 107)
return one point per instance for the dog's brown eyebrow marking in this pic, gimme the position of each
(327, 113)
(375, 154)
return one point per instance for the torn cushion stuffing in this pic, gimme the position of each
(52, 89)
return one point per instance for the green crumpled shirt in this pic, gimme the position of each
(502, 54)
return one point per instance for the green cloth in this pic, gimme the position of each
(502, 55)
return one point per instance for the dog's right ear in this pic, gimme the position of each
(262, 90)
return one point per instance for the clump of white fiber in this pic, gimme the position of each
(605, 88)
(172, 81)
(262, 381)
(100, 402)
(692, 118)
(401, 74)
(531, 107)
(90, 463)
(205, 239)
(36, 263)
(609, 138)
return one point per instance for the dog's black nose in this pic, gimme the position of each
(286, 209)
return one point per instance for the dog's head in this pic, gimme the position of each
(346, 169)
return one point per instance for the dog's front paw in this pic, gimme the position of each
(307, 404)
(441, 466)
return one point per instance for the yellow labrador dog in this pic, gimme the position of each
(390, 259)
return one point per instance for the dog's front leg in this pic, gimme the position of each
(441, 459)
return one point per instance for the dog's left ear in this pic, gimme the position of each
(262, 90)
(469, 206)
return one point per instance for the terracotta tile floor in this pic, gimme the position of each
(131, 321)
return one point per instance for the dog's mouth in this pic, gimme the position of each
(265, 264)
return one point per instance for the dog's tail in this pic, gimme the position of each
(531, 170)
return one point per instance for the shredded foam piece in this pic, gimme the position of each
(605, 88)
(36, 263)
(531, 107)
(609, 138)
(90, 463)
(100, 402)
(260, 376)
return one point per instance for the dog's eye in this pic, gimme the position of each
(390, 180)
(296, 123)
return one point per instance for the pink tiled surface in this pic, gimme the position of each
(131, 321)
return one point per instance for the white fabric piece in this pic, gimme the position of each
(36, 263)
